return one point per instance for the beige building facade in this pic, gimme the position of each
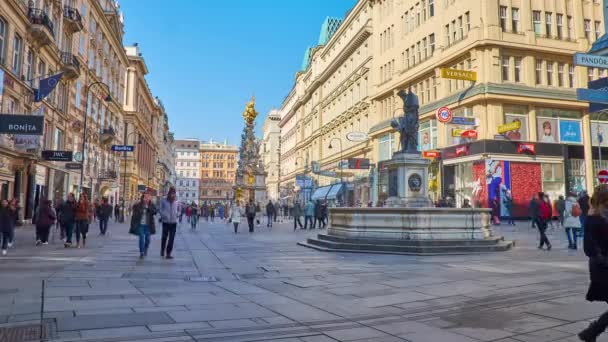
(82, 39)
(270, 153)
(521, 52)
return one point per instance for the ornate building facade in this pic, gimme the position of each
(270, 153)
(218, 162)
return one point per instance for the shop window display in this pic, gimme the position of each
(558, 126)
(553, 179)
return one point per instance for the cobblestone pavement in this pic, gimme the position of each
(263, 287)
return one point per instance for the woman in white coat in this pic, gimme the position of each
(572, 223)
(236, 212)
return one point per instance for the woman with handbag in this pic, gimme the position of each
(142, 223)
(45, 219)
(84, 215)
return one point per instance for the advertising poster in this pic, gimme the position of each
(498, 183)
(570, 131)
(599, 131)
(547, 130)
(520, 134)
(424, 137)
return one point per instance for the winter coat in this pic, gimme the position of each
(83, 212)
(269, 209)
(309, 210)
(6, 219)
(138, 211)
(236, 213)
(67, 212)
(318, 210)
(168, 211)
(596, 249)
(583, 202)
(250, 210)
(104, 211)
(534, 209)
(297, 210)
(560, 206)
(45, 216)
(569, 220)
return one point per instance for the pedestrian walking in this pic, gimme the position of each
(211, 213)
(495, 206)
(297, 213)
(181, 213)
(221, 212)
(324, 214)
(319, 213)
(596, 249)
(544, 216)
(571, 222)
(508, 203)
(533, 210)
(560, 207)
(258, 213)
(193, 215)
(6, 224)
(142, 223)
(116, 212)
(15, 208)
(584, 203)
(236, 212)
(309, 213)
(103, 214)
(83, 214)
(169, 215)
(67, 218)
(44, 218)
(270, 212)
(250, 213)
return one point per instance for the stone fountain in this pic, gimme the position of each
(409, 224)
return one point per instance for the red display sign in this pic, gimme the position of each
(602, 176)
(431, 154)
(462, 151)
(469, 133)
(526, 148)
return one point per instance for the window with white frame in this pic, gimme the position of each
(3, 31)
(560, 25)
(505, 68)
(571, 75)
(503, 18)
(549, 23)
(598, 32)
(536, 23)
(587, 25)
(549, 73)
(432, 43)
(560, 74)
(515, 19)
(17, 54)
(570, 26)
(517, 69)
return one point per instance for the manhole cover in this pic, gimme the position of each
(202, 279)
(23, 333)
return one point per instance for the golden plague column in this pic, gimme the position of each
(250, 182)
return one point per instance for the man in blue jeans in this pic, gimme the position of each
(67, 217)
(142, 223)
(169, 215)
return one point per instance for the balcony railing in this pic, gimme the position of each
(39, 17)
(71, 65)
(73, 19)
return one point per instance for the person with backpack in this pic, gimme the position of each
(250, 211)
(44, 217)
(544, 215)
(571, 222)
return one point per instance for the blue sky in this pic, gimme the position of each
(207, 57)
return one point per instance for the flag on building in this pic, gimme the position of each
(47, 85)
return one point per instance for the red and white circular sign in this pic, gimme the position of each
(602, 176)
(444, 114)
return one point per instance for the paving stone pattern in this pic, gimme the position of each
(263, 287)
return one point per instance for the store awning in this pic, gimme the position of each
(320, 193)
(335, 190)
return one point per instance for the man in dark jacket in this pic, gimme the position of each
(560, 206)
(250, 210)
(103, 213)
(142, 223)
(319, 213)
(533, 209)
(269, 213)
(583, 203)
(67, 217)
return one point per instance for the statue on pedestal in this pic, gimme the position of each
(407, 125)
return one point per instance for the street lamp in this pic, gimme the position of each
(108, 98)
(330, 147)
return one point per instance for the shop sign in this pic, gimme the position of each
(589, 60)
(602, 176)
(356, 136)
(21, 124)
(64, 156)
(526, 148)
(463, 121)
(469, 133)
(444, 114)
(26, 142)
(73, 166)
(431, 154)
(499, 137)
(462, 151)
(511, 126)
(358, 163)
(123, 148)
(456, 74)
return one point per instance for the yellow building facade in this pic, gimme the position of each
(218, 163)
(521, 52)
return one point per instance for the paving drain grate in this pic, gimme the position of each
(23, 333)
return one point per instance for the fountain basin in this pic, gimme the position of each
(409, 231)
